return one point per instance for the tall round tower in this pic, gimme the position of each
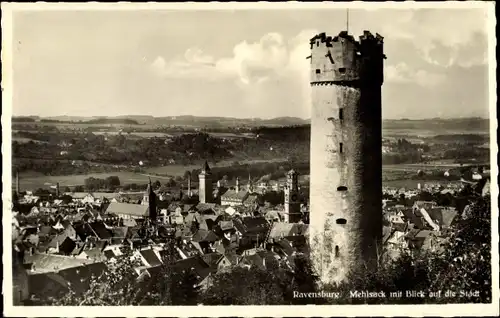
(346, 153)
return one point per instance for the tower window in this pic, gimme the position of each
(341, 147)
(318, 71)
(342, 188)
(337, 251)
(341, 221)
(341, 113)
(342, 70)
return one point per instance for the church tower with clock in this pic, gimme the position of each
(292, 200)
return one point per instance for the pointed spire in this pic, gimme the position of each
(206, 167)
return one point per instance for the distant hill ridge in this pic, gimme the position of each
(474, 123)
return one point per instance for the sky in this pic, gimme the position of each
(244, 63)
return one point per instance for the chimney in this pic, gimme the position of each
(189, 185)
(237, 189)
(165, 217)
(57, 190)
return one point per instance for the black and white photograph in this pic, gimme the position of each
(225, 159)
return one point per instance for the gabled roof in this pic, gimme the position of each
(204, 207)
(251, 225)
(100, 230)
(444, 216)
(212, 259)
(286, 246)
(129, 209)
(54, 262)
(119, 232)
(281, 229)
(67, 246)
(204, 236)
(151, 258)
(233, 195)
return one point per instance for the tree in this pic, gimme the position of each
(113, 182)
(466, 262)
(79, 188)
(121, 286)
(242, 286)
(115, 287)
(67, 189)
(157, 184)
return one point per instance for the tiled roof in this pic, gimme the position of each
(150, 257)
(204, 236)
(281, 229)
(202, 207)
(67, 246)
(414, 219)
(52, 262)
(119, 232)
(100, 230)
(232, 195)
(286, 246)
(444, 216)
(211, 259)
(129, 209)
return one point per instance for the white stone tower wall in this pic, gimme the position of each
(346, 186)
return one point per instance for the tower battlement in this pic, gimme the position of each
(342, 60)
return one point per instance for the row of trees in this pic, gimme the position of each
(94, 184)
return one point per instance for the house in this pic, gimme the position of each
(443, 216)
(149, 257)
(417, 237)
(128, 211)
(212, 259)
(280, 230)
(206, 208)
(43, 263)
(262, 260)
(57, 283)
(195, 266)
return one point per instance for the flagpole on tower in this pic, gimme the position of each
(347, 21)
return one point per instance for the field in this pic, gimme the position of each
(33, 180)
(26, 140)
(411, 184)
(176, 170)
(138, 134)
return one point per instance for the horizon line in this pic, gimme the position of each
(239, 118)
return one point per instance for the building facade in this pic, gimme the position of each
(346, 152)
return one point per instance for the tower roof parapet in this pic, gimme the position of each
(329, 40)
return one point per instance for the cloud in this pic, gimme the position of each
(402, 73)
(271, 56)
(457, 37)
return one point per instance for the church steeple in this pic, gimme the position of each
(206, 168)
(250, 184)
(150, 200)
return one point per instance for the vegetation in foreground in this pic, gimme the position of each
(463, 268)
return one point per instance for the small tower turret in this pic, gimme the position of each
(205, 184)
(237, 187)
